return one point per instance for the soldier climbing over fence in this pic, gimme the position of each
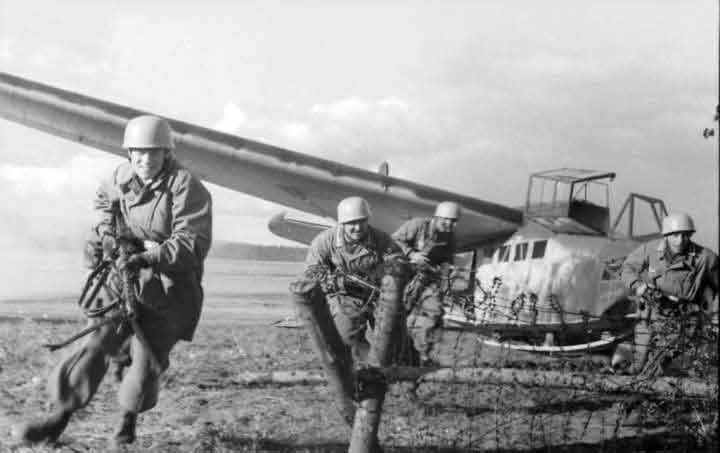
(676, 283)
(429, 244)
(349, 298)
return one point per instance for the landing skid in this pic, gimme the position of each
(590, 347)
(584, 337)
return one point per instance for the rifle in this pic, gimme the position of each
(337, 282)
(667, 305)
(127, 303)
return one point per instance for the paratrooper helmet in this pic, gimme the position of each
(448, 210)
(352, 208)
(148, 131)
(677, 222)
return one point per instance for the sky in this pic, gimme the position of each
(468, 96)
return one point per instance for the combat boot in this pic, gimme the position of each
(45, 430)
(126, 434)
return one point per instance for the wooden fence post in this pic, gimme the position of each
(334, 355)
(367, 417)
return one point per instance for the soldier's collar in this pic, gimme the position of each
(134, 185)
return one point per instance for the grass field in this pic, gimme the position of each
(204, 408)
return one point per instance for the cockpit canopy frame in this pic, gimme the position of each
(570, 200)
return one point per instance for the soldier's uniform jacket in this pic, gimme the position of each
(363, 259)
(693, 275)
(173, 211)
(418, 235)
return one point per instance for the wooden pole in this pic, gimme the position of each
(367, 417)
(601, 383)
(334, 355)
(561, 379)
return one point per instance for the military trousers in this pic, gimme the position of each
(424, 318)
(76, 378)
(352, 317)
(665, 345)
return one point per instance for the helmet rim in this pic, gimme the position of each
(448, 210)
(351, 209)
(147, 131)
(677, 223)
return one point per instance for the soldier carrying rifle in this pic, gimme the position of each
(676, 284)
(148, 252)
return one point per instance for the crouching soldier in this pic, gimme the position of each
(676, 284)
(429, 244)
(357, 253)
(161, 205)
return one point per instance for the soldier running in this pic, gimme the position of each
(161, 203)
(429, 244)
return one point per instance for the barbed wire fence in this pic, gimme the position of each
(504, 393)
(490, 390)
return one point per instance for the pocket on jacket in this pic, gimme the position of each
(152, 290)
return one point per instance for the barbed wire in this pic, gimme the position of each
(521, 416)
(516, 304)
(540, 309)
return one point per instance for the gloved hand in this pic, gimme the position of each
(135, 262)
(108, 246)
(92, 254)
(418, 258)
(641, 289)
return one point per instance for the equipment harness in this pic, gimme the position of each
(124, 304)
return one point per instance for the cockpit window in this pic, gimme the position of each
(504, 253)
(538, 250)
(640, 218)
(521, 251)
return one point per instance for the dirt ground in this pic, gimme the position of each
(204, 408)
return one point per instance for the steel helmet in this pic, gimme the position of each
(148, 131)
(448, 210)
(352, 208)
(677, 222)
